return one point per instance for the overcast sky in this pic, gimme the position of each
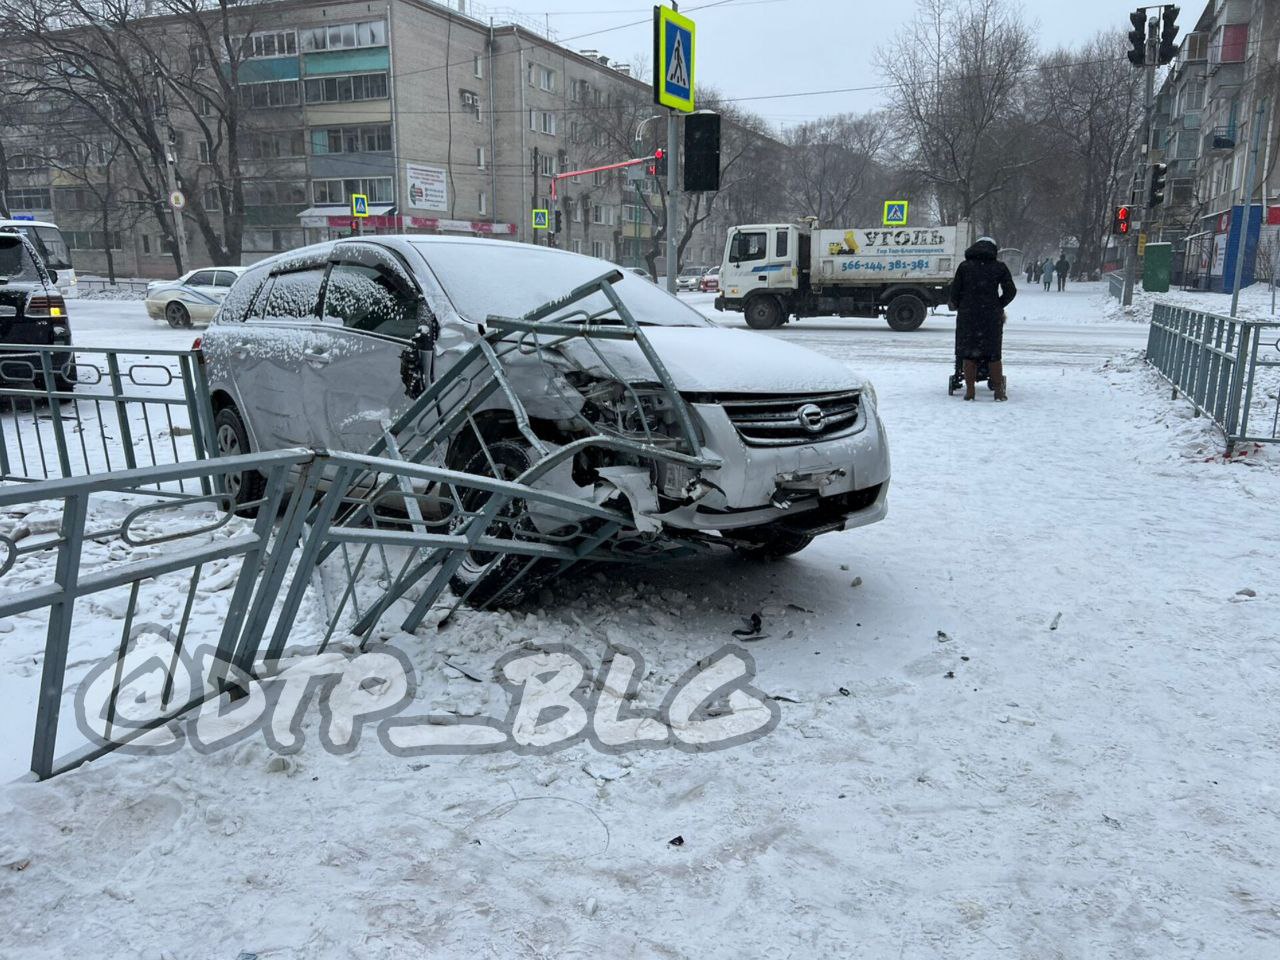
(756, 48)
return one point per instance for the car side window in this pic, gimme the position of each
(241, 296)
(224, 278)
(749, 246)
(201, 278)
(293, 296)
(783, 236)
(368, 299)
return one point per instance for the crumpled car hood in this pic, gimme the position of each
(716, 360)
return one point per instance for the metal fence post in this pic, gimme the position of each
(61, 613)
(1237, 407)
(122, 411)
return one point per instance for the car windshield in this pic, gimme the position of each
(510, 279)
(15, 262)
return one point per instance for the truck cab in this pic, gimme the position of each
(762, 258)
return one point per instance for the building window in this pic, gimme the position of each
(350, 88)
(269, 146)
(271, 43)
(33, 159)
(471, 104)
(482, 203)
(575, 209)
(371, 139)
(544, 78)
(597, 249)
(212, 199)
(477, 67)
(273, 93)
(274, 193)
(333, 192)
(597, 213)
(204, 107)
(199, 56)
(202, 151)
(90, 239)
(548, 165)
(347, 36)
(29, 198)
(480, 158)
(577, 246)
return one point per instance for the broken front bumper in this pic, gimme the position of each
(829, 484)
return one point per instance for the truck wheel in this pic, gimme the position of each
(764, 313)
(906, 312)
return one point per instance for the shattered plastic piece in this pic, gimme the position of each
(753, 626)
(1056, 620)
(942, 637)
(676, 842)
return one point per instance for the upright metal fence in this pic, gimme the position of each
(1227, 367)
(77, 411)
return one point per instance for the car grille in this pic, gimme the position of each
(784, 421)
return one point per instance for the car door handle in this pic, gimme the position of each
(316, 358)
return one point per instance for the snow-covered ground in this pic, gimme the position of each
(1030, 715)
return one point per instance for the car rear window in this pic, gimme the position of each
(15, 261)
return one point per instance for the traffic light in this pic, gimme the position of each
(557, 223)
(1159, 174)
(658, 164)
(702, 152)
(1122, 222)
(1168, 34)
(1138, 38)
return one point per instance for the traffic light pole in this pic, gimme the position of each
(1142, 164)
(673, 197)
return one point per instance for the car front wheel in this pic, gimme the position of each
(245, 486)
(769, 542)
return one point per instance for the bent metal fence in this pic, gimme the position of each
(1227, 367)
(154, 593)
(77, 411)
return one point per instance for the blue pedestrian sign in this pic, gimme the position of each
(895, 213)
(541, 219)
(359, 205)
(673, 57)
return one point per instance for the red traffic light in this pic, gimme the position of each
(1122, 220)
(658, 154)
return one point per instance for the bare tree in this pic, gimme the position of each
(117, 62)
(830, 162)
(956, 68)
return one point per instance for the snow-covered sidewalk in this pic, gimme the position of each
(1029, 715)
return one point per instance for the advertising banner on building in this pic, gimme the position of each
(428, 187)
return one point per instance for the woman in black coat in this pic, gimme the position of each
(982, 288)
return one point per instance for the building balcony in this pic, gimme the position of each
(1227, 81)
(1220, 139)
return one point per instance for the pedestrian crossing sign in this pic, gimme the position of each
(541, 219)
(895, 213)
(359, 205)
(673, 59)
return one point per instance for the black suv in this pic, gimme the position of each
(33, 312)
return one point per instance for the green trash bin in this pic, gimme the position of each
(1157, 267)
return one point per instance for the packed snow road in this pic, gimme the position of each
(1032, 714)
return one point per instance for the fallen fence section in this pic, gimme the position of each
(1227, 367)
(79, 411)
(184, 595)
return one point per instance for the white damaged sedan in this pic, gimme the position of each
(193, 298)
(780, 443)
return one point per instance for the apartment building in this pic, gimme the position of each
(449, 125)
(1206, 116)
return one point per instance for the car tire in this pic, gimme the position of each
(906, 312)
(177, 315)
(764, 313)
(232, 439)
(769, 542)
(483, 580)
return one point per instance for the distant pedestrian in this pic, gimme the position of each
(1062, 268)
(1031, 269)
(1039, 268)
(981, 289)
(1046, 271)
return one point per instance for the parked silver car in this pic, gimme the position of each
(308, 348)
(193, 298)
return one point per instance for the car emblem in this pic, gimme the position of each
(812, 418)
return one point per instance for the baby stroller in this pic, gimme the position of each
(956, 381)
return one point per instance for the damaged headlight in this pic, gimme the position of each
(641, 412)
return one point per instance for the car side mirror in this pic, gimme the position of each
(413, 371)
(53, 276)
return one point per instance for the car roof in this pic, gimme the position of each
(27, 223)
